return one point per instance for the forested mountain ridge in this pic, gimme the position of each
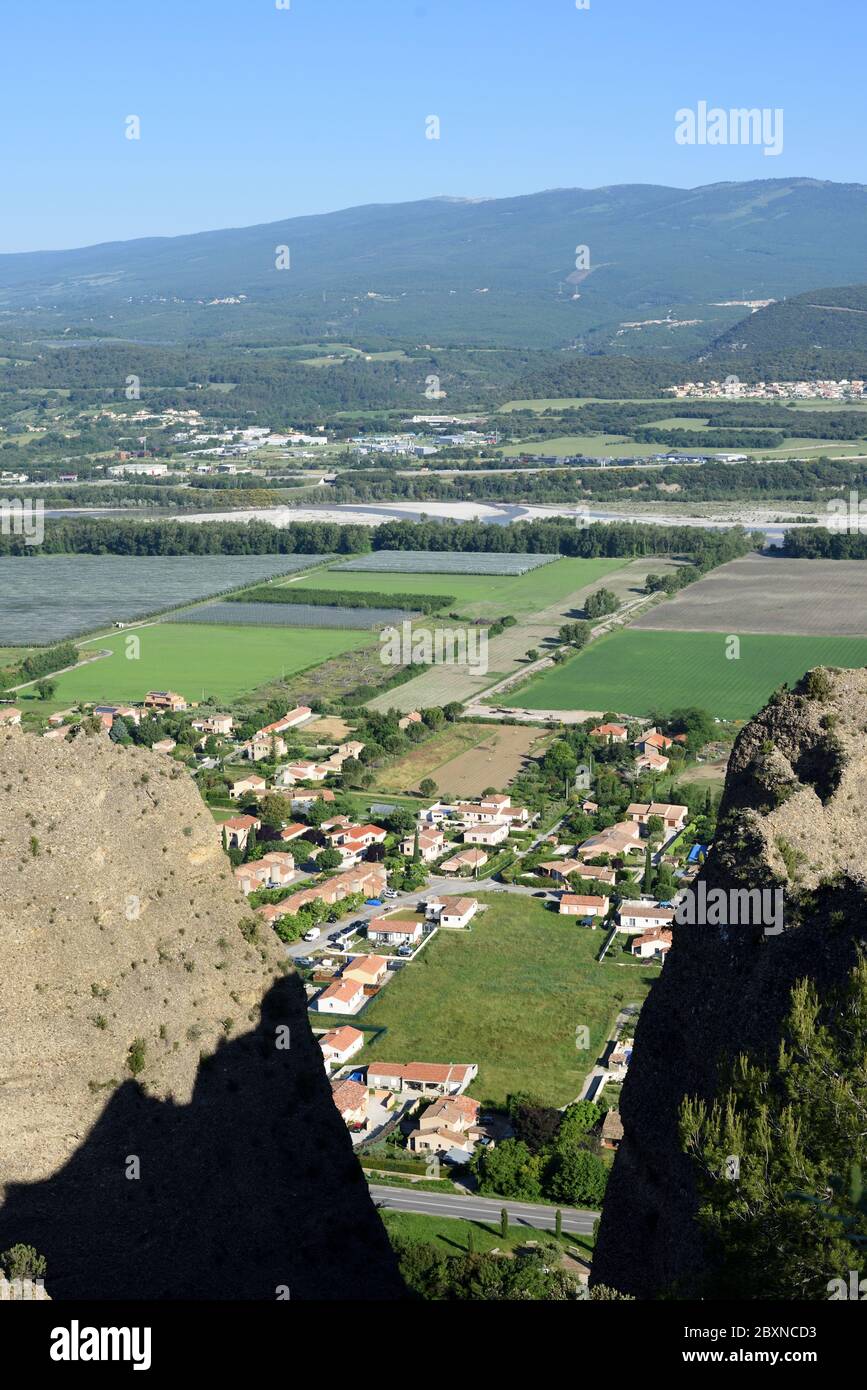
(481, 271)
(821, 332)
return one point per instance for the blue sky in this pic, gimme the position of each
(251, 113)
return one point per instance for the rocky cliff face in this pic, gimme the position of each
(792, 818)
(166, 1125)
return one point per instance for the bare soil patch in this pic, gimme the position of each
(776, 596)
(465, 760)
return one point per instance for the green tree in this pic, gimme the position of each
(329, 859)
(427, 786)
(649, 875)
(775, 1154)
(600, 603)
(580, 1178)
(509, 1169)
(22, 1262)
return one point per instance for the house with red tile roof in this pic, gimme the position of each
(340, 1044)
(366, 970)
(653, 944)
(431, 844)
(612, 733)
(426, 1078)
(341, 997)
(351, 1100)
(672, 815)
(469, 859)
(236, 830)
(449, 1127)
(579, 905)
(395, 931)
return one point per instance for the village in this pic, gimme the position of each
(359, 899)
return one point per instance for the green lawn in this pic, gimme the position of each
(508, 994)
(481, 595)
(639, 672)
(192, 659)
(450, 1234)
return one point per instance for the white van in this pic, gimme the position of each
(313, 934)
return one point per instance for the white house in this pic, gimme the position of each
(391, 931)
(486, 835)
(245, 785)
(457, 912)
(342, 997)
(673, 817)
(340, 1044)
(655, 943)
(642, 917)
(431, 844)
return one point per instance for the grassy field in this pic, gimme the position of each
(573, 403)
(508, 994)
(479, 595)
(463, 760)
(450, 1234)
(640, 672)
(219, 661)
(592, 445)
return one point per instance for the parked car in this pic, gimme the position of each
(404, 950)
(312, 935)
(390, 893)
(359, 924)
(304, 962)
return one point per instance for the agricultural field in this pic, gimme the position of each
(464, 760)
(483, 596)
(290, 615)
(761, 593)
(498, 563)
(224, 662)
(560, 403)
(640, 672)
(47, 598)
(508, 994)
(591, 445)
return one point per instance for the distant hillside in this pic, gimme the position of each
(823, 330)
(669, 271)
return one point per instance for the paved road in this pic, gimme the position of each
(472, 1208)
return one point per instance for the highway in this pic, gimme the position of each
(471, 1208)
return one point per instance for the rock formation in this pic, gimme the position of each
(791, 818)
(166, 1124)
